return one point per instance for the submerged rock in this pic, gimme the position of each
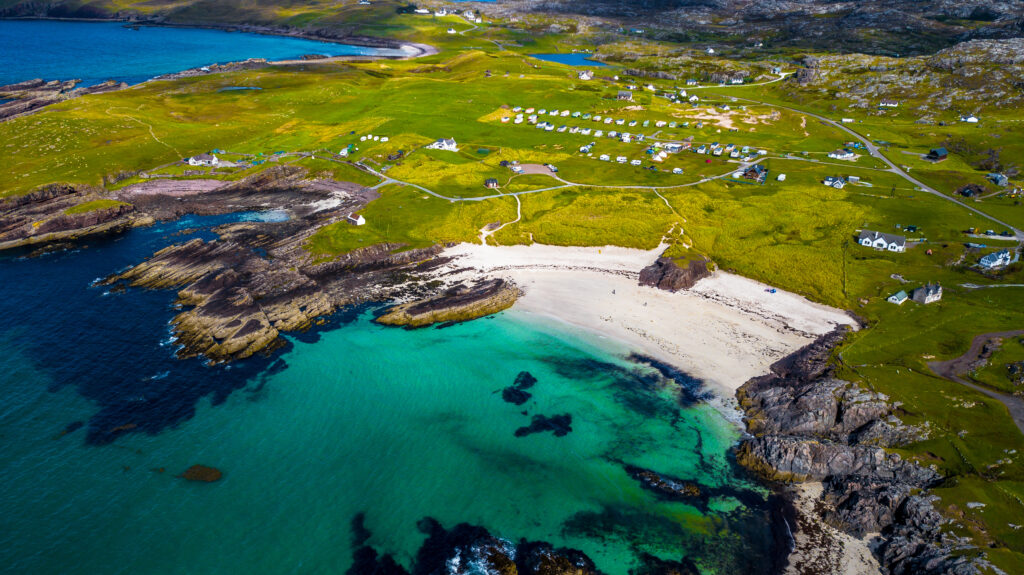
(516, 393)
(202, 473)
(560, 425)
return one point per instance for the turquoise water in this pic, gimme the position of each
(99, 51)
(570, 58)
(98, 420)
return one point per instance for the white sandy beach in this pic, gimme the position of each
(725, 330)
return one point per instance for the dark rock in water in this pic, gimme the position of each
(525, 380)
(662, 484)
(560, 425)
(691, 390)
(651, 565)
(690, 492)
(71, 428)
(202, 473)
(515, 395)
(666, 274)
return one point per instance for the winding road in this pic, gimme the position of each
(875, 152)
(955, 368)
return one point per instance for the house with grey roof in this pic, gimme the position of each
(927, 293)
(447, 144)
(882, 241)
(996, 260)
(203, 160)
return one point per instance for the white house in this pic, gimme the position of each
(972, 119)
(898, 298)
(889, 104)
(421, 11)
(927, 293)
(843, 154)
(356, 219)
(586, 75)
(694, 98)
(847, 120)
(203, 160)
(996, 260)
(834, 182)
(881, 241)
(446, 144)
(711, 50)
(781, 177)
(451, 31)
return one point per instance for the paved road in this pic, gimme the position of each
(955, 368)
(877, 153)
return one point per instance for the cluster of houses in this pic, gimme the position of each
(926, 294)
(746, 153)
(882, 241)
(468, 15)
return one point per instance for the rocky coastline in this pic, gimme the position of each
(237, 294)
(32, 95)
(806, 425)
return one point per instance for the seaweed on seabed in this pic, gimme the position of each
(560, 425)
(691, 389)
(516, 393)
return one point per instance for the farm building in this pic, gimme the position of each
(356, 219)
(937, 154)
(898, 298)
(843, 154)
(625, 95)
(889, 104)
(491, 183)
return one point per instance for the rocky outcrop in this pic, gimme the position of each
(807, 425)
(667, 274)
(49, 215)
(459, 303)
(32, 95)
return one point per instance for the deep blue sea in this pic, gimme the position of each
(97, 51)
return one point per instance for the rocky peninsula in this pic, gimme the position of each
(806, 425)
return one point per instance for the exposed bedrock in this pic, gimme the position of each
(667, 274)
(459, 303)
(59, 212)
(808, 425)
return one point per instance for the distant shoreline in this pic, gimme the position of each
(359, 41)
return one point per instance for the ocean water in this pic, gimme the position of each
(97, 51)
(99, 419)
(570, 59)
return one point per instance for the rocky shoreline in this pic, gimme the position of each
(257, 280)
(806, 425)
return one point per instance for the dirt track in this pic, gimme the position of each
(954, 368)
